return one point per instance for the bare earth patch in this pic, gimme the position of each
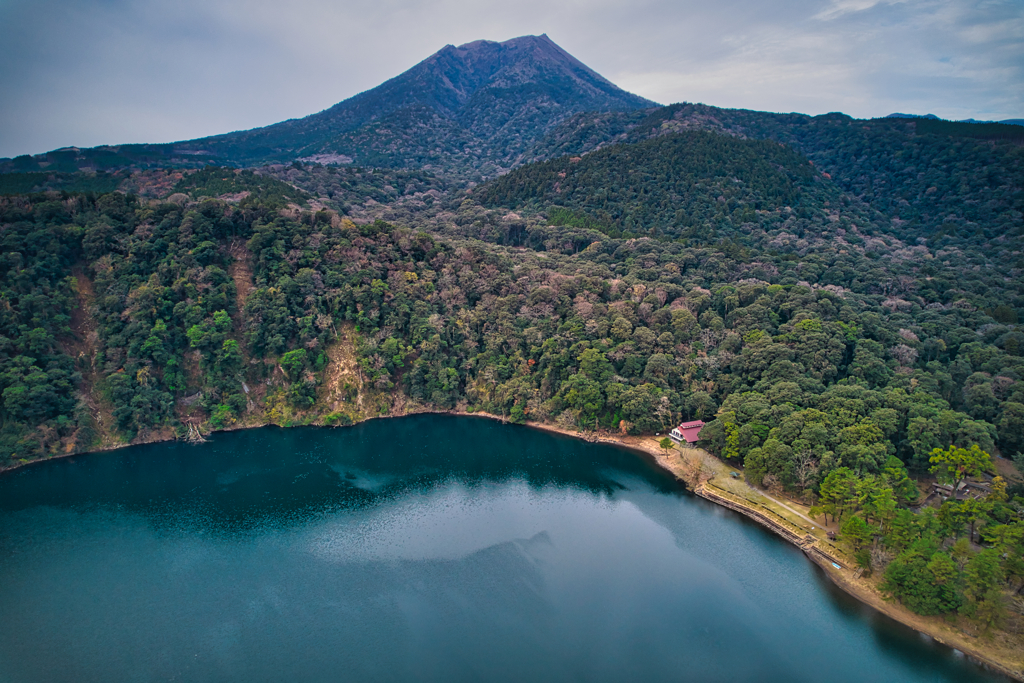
(343, 389)
(241, 273)
(82, 346)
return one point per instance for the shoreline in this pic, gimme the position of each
(843, 577)
(826, 556)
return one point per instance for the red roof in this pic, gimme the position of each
(690, 430)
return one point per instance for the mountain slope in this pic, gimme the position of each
(475, 107)
(695, 184)
(482, 101)
(936, 179)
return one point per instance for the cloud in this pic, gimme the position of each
(88, 72)
(839, 8)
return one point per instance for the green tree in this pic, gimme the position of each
(953, 465)
(982, 573)
(293, 363)
(1011, 427)
(923, 581)
(876, 500)
(595, 365)
(230, 357)
(732, 439)
(982, 578)
(584, 395)
(221, 417)
(899, 480)
(856, 532)
(838, 493)
(754, 467)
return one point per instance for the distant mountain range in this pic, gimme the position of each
(478, 107)
(1012, 122)
(898, 115)
(476, 111)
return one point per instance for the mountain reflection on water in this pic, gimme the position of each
(427, 548)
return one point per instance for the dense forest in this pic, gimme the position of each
(696, 185)
(935, 179)
(841, 306)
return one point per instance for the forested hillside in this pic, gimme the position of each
(741, 226)
(696, 185)
(935, 179)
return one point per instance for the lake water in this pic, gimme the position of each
(428, 548)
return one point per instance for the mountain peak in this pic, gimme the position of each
(521, 41)
(898, 115)
(485, 94)
(479, 105)
(517, 61)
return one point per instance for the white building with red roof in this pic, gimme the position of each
(687, 433)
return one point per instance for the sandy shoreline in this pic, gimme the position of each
(685, 464)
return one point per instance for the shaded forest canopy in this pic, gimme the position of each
(983, 131)
(688, 184)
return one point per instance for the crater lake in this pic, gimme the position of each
(429, 548)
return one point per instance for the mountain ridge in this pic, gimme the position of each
(482, 103)
(455, 83)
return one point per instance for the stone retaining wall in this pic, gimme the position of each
(807, 543)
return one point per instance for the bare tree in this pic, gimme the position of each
(806, 469)
(568, 419)
(709, 338)
(664, 411)
(904, 355)
(880, 557)
(773, 484)
(703, 470)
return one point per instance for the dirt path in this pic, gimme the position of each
(787, 507)
(240, 271)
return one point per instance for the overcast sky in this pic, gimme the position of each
(91, 72)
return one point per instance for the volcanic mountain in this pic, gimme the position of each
(473, 108)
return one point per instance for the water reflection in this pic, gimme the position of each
(433, 548)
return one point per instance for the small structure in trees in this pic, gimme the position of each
(687, 433)
(976, 490)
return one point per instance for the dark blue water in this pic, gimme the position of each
(427, 548)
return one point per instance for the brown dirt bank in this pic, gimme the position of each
(712, 479)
